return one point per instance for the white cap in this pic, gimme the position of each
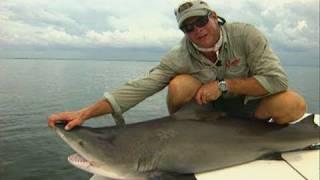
(190, 9)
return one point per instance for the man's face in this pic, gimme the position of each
(206, 36)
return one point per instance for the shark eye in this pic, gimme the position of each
(81, 143)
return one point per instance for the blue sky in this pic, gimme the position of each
(116, 28)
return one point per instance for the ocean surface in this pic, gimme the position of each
(31, 90)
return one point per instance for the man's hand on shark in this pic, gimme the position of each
(76, 118)
(72, 119)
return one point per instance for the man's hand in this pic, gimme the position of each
(208, 92)
(72, 118)
(75, 118)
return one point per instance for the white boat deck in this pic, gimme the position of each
(297, 165)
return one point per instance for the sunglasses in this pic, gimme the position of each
(199, 22)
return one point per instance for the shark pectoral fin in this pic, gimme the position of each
(271, 156)
(170, 176)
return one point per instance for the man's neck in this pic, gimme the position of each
(211, 53)
(212, 56)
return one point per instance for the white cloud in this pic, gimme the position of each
(56, 36)
(133, 38)
(289, 24)
(108, 23)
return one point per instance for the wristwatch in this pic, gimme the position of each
(223, 86)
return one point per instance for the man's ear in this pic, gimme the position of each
(214, 15)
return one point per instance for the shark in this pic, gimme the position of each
(193, 140)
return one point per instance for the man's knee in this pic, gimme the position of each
(284, 107)
(183, 85)
(181, 90)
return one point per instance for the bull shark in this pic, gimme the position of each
(194, 140)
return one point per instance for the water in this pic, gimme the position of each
(30, 90)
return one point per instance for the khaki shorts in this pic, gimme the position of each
(235, 106)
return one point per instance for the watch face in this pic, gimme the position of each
(223, 86)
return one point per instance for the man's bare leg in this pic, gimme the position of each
(283, 108)
(181, 90)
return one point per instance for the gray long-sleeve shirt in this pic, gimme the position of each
(244, 53)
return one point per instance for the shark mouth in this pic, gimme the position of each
(80, 162)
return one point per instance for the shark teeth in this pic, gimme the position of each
(77, 160)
